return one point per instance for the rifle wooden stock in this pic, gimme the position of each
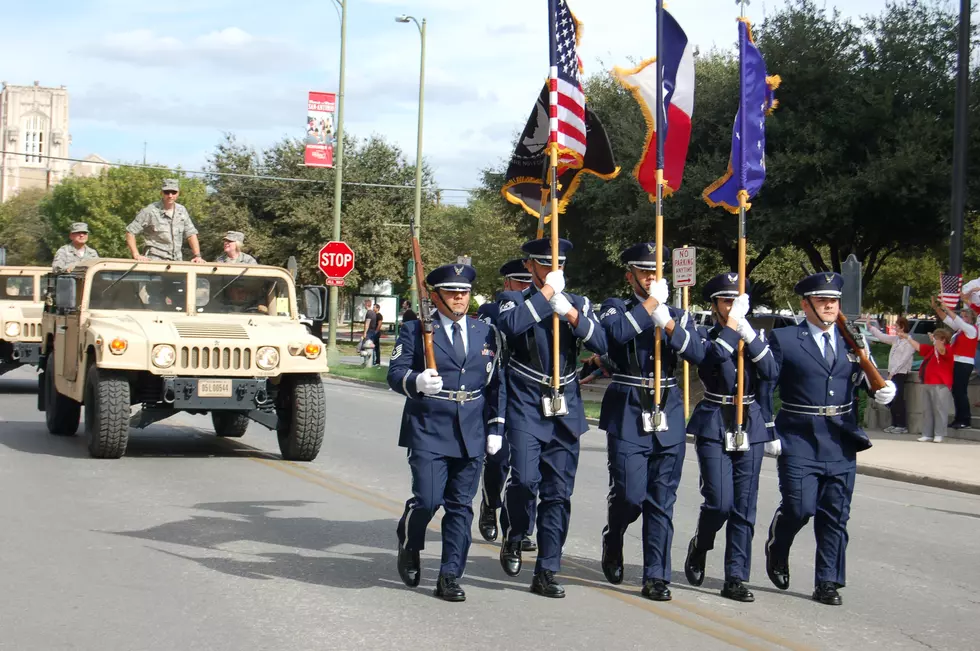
(425, 303)
(875, 381)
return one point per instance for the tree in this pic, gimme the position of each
(23, 232)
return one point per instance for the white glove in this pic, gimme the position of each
(661, 315)
(745, 330)
(560, 304)
(773, 448)
(428, 382)
(660, 291)
(971, 286)
(494, 443)
(885, 394)
(556, 280)
(740, 307)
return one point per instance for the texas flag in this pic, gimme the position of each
(678, 93)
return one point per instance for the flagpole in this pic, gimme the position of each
(556, 398)
(544, 198)
(657, 362)
(743, 197)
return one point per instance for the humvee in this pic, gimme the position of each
(20, 315)
(172, 337)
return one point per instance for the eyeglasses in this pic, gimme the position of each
(170, 192)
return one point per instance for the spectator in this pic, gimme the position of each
(899, 365)
(592, 369)
(379, 322)
(408, 314)
(936, 374)
(964, 347)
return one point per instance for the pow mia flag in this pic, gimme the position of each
(527, 173)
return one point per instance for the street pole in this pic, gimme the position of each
(332, 352)
(418, 151)
(958, 204)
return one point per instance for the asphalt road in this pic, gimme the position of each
(189, 542)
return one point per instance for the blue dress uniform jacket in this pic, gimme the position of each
(644, 467)
(448, 427)
(446, 434)
(817, 465)
(730, 480)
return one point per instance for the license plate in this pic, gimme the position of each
(214, 389)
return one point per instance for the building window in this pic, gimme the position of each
(34, 139)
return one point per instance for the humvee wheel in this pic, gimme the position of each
(302, 417)
(61, 413)
(106, 414)
(229, 424)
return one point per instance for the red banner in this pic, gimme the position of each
(320, 130)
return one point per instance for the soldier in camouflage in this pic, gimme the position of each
(70, 254)
(233, 249)
(164, 224)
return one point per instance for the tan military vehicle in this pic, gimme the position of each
(223, 339)
(20, 315)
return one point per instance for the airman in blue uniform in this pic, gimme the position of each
(818, 436)
(452, 414)
(543, 426)
(729, 462)
(644, 432)
(496, 467)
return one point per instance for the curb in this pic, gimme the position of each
(380, 386)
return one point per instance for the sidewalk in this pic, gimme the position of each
(953, 464)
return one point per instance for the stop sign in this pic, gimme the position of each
(336, 260)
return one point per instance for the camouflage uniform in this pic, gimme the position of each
(243, 258)
(163, 236)
(67, 256)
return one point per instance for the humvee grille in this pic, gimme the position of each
(216, 358)
(211, 330)
(31, 330)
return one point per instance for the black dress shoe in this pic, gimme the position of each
(510, 557)
(778, 570)
(448, 590)
(545, 585)
(734, 589)
(409, 566)
(694, 564)
(656, 589)
(528, 545)
(488, 522)
(826, 593)
(612, 559)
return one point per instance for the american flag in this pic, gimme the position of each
(567, 101)
(949, 289)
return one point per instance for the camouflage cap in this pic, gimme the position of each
(79, 227)
(234, 236)
(170, 184)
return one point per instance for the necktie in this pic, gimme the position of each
(458, 348)
(828, 350)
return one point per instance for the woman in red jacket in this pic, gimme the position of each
(936, 374)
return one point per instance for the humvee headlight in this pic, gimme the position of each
(163, 356)
(118, 346)
(312, 351)
(267, 358)
(12, 329)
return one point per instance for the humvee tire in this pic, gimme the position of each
(302, 417)
(106, 413)
(61, 413)
(229, 424)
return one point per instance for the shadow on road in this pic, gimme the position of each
(18, 386)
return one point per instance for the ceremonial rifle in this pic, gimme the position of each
(425, 303)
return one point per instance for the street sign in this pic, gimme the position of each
(336, 260)
(850, 303)
(906, 297)
(684, 266)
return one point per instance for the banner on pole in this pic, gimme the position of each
(320, 134)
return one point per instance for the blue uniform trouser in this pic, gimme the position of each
(495, 475)
(548, 471)
(730, 488)
(447, 482)
(820, 490)
(644, 481)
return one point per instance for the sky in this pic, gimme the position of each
(178, 74)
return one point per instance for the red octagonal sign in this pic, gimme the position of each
(336, 260)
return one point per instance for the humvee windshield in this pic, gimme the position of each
(243, 294)
(139, 290)
(17, 288)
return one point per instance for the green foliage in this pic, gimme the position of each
(23, 231)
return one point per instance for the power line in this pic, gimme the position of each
(241, 176)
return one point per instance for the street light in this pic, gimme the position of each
(418, 154)
(332, 352)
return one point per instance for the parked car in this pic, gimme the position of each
(920, 329)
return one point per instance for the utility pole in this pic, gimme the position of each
(958, 204)
(338, 172)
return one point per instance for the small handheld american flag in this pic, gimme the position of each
(949, 289)
(567, 101)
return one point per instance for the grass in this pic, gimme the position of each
(369, 373)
